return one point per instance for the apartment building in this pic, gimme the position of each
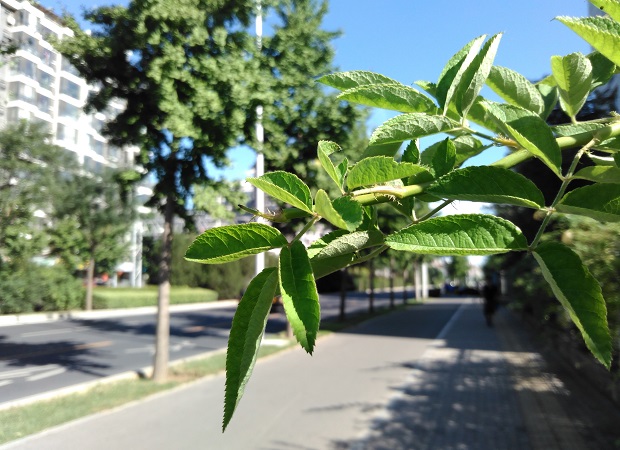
(37, 83)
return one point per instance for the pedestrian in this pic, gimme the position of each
(489, 294)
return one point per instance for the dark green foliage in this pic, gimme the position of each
(33, 288)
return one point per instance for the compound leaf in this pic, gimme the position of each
(466, 234)
(573, 75)
(395, 96)
(602, 33)
(412, 126)
(285, 187)
(299, 294)
(347, 80)
(599, 201)
(246, 333)
(232, 242)
(580, 295)
(343, 212)
(378, 170)
(488, 184)
(515, 89)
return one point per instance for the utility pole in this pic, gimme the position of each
(260, 139)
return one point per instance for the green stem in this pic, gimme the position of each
(434, 211)
(565, 182)
(305, 229)
(371, 255)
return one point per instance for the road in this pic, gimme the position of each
(39, 358)
(297, 401)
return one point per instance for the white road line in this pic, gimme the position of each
(26, 371)
(141, 350)
(49, 332)
(51, 373)
(5, 382)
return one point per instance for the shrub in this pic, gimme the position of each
(108, 298)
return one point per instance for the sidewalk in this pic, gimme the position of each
(395, 382)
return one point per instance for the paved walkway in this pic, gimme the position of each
(393, 383)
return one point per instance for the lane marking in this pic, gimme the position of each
(5, 382)
(26, 371)
(48, 374)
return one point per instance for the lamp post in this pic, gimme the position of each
(260, 139)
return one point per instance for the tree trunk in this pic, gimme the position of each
(343, 294)
(371, 298)
(90, 281)
(162, 336)
(391, 282)
(405, 279)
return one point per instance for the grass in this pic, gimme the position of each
(22, 421)
(112, 298)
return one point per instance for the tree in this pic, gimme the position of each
(446, 107)
(30, 170)
(92, 219)
(183, 72)
(298, 113)
(458, 268)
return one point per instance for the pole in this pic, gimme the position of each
(260, 139)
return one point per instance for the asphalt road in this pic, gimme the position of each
(293, 401)
(39, 358)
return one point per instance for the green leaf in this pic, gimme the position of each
(450, 77)
(598, 201)
(325, 266)
(339, 243)
(343, 213)
(475, 75)
(529, 130)
(412, 126)
(299, 294)
(488, 184)
(411, 153)
(232, 242)
(602, 69)
(573, 75)
(580, 295)
(444, 158)
(602, 33)
(515, 89)
(326, 148)
(396, 97)
(381, 150)
(347, 80)
(602, 160)
(466, 147)
(246, 333)
(379, 170)
(466, 234)
(611, 7)
(599, 174)
(550, 96)
(617, 159)
(285, 187)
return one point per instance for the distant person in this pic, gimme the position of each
(489, 293)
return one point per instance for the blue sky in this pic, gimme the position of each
(411, 40)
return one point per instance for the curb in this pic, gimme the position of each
(25, 319)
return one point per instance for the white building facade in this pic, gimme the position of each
(38, 84)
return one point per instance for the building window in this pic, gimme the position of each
(67, 67)
(67, 134)
(20, 91)
(45, 79)
(69, 88)
(44, 103)
(21, 66)
(67, 110)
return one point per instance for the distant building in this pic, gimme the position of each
(38, 84)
